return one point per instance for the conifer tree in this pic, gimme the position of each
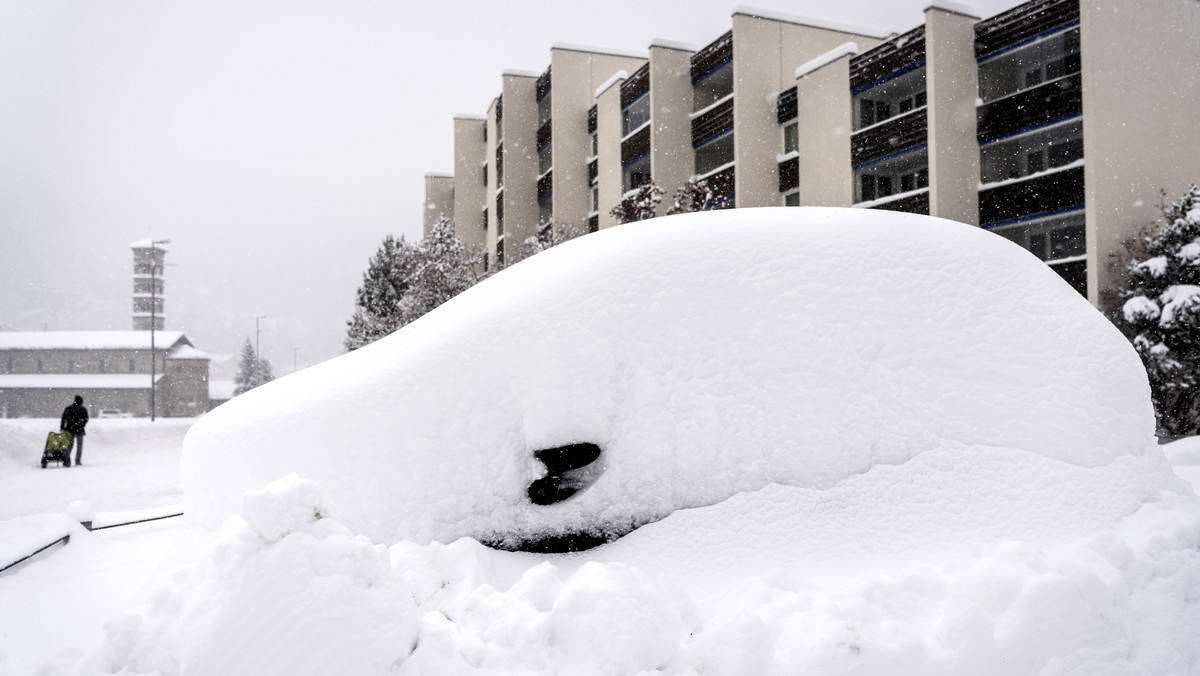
(1161, 314)
(404, 281)
(252, 371)
(549, 235)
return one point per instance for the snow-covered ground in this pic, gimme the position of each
(855, 443)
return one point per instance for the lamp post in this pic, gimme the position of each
(257, 353)
(153, 315)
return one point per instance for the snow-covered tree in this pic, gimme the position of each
(639, 204)
(695, 195)
(404, 281)
(252, 371)
(1161, 314)
(549, 235)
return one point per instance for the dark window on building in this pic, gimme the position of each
(1035, 161)
(792, 199)
(41, 366)
(867, 189)
(132, 366)
(1064, 153)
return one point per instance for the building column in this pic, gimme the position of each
(608, 151)
(952, 85)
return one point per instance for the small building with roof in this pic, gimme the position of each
(41, 371)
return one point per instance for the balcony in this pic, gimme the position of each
(635, 146)
(1054, 100)
(786, 106)
(911, 203)
(545, 186)
(593, 170)
(1045, 193)
(889, 138)
(789, 174)
(636, 86)
(890, 59)
(711, 57)
(712, 122)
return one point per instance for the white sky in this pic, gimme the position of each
(275, 143)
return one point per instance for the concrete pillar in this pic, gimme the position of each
(952, 85)
(608, 131)
(470, 194)
(520, 122)
(823, 125)
(439, 200)
(671, 161)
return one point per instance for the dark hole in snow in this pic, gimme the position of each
(569, 469)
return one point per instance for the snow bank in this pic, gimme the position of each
(706, 355)
(287, 590)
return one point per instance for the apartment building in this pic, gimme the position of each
(979, 120)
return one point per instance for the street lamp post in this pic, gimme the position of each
(257, 353)
(153, 316)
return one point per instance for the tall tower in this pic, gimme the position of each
(148, 257)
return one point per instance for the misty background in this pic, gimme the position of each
(275, 144)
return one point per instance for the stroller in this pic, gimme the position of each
(58, 445)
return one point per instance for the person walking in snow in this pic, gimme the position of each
(74, 420)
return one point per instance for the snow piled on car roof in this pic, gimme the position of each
(705, 355)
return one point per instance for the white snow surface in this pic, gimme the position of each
(788, 352)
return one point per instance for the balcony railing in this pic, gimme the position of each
(789, 174)
(1044, 194)
(712, 56)
(545, 186)
(543, 134)
(1022, 23)
(896, 56)
(712, 123)
(889, 138)
(785, 106)
(591, 120)
(1053, 100)
(913, 204)
(637, 85)
(635, 146)
(593, 170)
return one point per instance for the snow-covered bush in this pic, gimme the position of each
(404, 281)
(1161, 313)
(638, 204)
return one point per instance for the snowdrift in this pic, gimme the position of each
(705, 355)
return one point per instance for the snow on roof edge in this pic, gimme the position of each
(597, 50)
(512, 72)
(149, 242)
(471, 116)
(612, 80)
(966, 10)
(773, 15)
(672, 44)
(88, 340)
(845, 49)
(438, 174)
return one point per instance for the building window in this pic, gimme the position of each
(544, 109)
(70, 366)
(595, 145)
(715, 154)
(1031, 152)
(485, 173)
(635, 115)
(101, 368)
(132, 366)
(892, 176)
(791, 138)
(1050, 239)
(1026, 67)
(546, 211)
(10, 365)
(713, 87)
(41, 366)
(792, 199)
(889, 99)
(545, 158)
(595, 202)
(485, 220)
(636, 173)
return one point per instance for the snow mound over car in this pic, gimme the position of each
(704, 356)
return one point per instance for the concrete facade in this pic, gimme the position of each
(576, 73)
(40, 373)
(439, 200)
(767, 49)
(972, 120)
(470, 187)
(1140, 111)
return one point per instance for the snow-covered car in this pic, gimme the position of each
(112, 413)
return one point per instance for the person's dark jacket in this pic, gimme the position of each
(74, 419)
